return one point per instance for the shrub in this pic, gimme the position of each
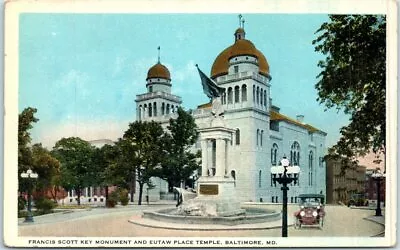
(21, 203)
(123, 197)
(112, 199)
(45, 205)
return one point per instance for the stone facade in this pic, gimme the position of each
(262, 135)
(345, 181)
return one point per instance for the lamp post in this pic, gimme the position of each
(29, 175)
(378, 177)
(284, 175)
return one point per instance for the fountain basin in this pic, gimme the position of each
(251, 215)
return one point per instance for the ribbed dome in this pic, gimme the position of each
(158, 71)
(241, 47)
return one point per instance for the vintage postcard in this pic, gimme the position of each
(200, 124)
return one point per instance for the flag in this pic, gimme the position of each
(210, 88)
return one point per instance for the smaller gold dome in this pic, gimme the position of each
(158, 71)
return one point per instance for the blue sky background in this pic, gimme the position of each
(83, 71)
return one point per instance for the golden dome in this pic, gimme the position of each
(241, 47)
(239, 30)
(158, 71)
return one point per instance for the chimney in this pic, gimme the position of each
(300, 118)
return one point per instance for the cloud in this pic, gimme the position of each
(88, 130)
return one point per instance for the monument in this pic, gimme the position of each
(216, 194)
(216, 201)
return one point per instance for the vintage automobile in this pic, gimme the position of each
(311, 210)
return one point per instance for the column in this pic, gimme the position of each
(220, 157)
(204, 158)
(210, 163)
(227, 143)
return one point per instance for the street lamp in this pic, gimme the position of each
(378, 177)
(284, 175)
(29, 175)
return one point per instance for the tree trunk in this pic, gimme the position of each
(132, 193)
(106, 190)
(78, 192)
(140, 193)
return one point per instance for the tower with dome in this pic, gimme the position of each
(262, 134)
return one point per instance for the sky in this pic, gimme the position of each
(83, 71)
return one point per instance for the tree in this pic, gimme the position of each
(77, 168)
(179, 162)
(141, 153)
(47, 167)
(104, 160)
(353, 79)
(26, 119)
(25, 123)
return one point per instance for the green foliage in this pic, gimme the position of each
(46, 166)
(179, 162)
(123, 196)
(112, 199)
(140, 153)
(21, 203)
(25, 122)
(77, 168)
(353, 78)
(45, 205)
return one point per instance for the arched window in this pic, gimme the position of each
(163, 109)
(259, 178)
(223, 98)
(145, 110)
(233, 174)
(244, 93)
(261, 137)
(168, 109)
(265, 98)
(273, 199)
(274, 153)
(310, 167)
(237, 135)
(155, 109)
(254, 93)
(258, 95)
(258, 135)
(150, 110)
(261, 96)
(295, 154)
(229, 95)
(237, 94)
(140, 112)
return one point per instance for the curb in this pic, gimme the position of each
(203, 227)
(381, 233)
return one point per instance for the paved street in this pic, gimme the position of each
(101, 222)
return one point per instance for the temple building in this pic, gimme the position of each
(262, 135)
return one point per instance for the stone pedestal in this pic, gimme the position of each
(216, 195)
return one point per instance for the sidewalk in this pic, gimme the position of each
(74, 214)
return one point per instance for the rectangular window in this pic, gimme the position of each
(236, 69)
